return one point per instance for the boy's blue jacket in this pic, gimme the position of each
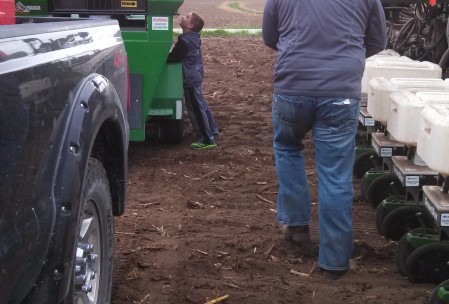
(188, 51)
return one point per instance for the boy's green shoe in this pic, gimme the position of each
(201, 146)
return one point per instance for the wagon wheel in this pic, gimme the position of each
(382, 187)
(404, 249)
(435, 298)
(364, 162)
(171, 131)
(403, 219)
(429, 263)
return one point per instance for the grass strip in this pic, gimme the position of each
(225, 33)
(236, 6)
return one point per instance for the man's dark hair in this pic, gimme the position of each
(197, 22)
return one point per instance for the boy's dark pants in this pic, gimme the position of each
(200, 115)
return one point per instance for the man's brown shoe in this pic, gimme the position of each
(334, 274)
(296, 234)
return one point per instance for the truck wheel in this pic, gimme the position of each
(171, 131)
(92, 279)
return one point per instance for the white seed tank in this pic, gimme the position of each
(380, 89)
(433, 137)
(405, 109)
(398, 67)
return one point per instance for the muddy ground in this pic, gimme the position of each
(202, 224)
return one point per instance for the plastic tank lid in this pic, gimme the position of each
(405, 64)
(442, 109)
(433, 97)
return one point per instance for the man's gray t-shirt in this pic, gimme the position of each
(322, 44)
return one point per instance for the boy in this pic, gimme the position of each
(188, 51)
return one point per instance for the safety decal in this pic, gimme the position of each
(128, 4)
(21, 8)
(159, 23)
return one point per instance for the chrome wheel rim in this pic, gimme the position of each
(88, 253)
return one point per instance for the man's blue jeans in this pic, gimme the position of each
(333, 122)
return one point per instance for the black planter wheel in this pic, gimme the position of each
(434, 298)
(380, 216)
(365, 161)
(404, 249)
(403, 219)
(363, 188)
(429, 263)
(381, 213)
(382, 187)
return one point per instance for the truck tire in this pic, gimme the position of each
(92, 274)
(171, 131)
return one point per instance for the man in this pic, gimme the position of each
(321, 49)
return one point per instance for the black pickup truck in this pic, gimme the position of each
(63, 158)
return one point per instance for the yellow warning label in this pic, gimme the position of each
(129, 4)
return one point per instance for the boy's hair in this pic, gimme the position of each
(197, 22)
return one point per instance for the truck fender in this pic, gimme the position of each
(96, 126)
